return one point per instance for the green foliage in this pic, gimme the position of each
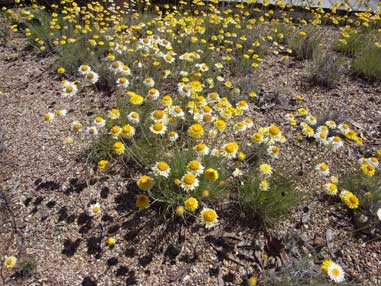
(367, 63)
(170, 195)
(325, 70)
(266, 207)
(352, 45)
(304, 47)
(367, 189)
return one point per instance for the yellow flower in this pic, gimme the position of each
(368, 169)
(324, 266)
(180, 210)
(252, 281)
(209, 217)
(211, 174)
(127, 131)
(145, 183)
(191, 204)
(118, 148)
(265, 169)
(230, 149)
(110, 242)
(136, 99)
(196, 131)
(102, 165)
(142, 201)
(61, 70)
(220, 125)
(189, 182)
(10, 262)
(350, 200)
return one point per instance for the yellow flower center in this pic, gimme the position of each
(274, 130)
(122, 80)
(335, 272)
(194, 165)
(158, 126)
(189, 179)
(69, 88)
(158, 114)
(162, 166)
(95, 210)
(210, 216)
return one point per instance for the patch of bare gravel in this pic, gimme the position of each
(56, 189)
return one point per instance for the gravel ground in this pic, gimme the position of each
(55, 188)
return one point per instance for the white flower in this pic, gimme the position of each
(92, 77)
(92, 131)
(122, 82)
(69, 89)
(161, 169)
(149, 82)
(84, 69)
(99, 121)
(322, 168)
(379, 214)
(237, 173)
(336, 273)
(94, 209)
(133, 117)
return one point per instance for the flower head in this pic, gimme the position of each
(145, 183)
(161, 169)
(10, 262)
(189, 182)
(191, 204)
(94, 209)
(142, 201)
(209, 217)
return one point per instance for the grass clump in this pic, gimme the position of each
(304, 43)
(265, 201)
(325, 70)
(367, 63)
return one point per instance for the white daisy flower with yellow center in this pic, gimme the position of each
(195, 167)
(322, 169)
(330, 189)
(99, 121)
(84, 69)
(159, 116)
(336, 273)
(114, 113)
(209, 217)
(133, 117)
(149, 82)
(158, 128)
(322, 138)
(201, 149)
(173, 136)
(311, 120)
(60, 112)
(76, 125)
(230, 150)
(189, 182)
(153, 94)
(331, 124)
(94, 209)
(92, 131)
(122, 82)
(49, 116)
(69, 89)
(92, 77)
(336, 142)
(273, 151)
(161, 169)
(117, 66)
(176, 111)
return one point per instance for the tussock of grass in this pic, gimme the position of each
(264, 208)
